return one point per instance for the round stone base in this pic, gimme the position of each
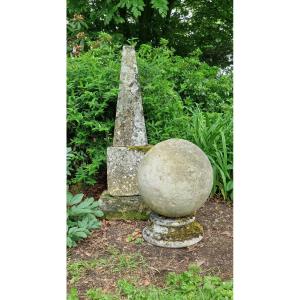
(172, 232)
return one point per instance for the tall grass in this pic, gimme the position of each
(213, 133)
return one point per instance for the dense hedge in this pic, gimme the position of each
(182, 97)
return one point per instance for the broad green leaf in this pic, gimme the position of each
(99, 213)
(76, 199)
(161, 6)
(69, 197)
(86, 203)
(229, 186)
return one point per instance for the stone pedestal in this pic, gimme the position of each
(173, 232)
(122, 200)
(123, 207)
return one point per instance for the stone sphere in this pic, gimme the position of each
(175, 178)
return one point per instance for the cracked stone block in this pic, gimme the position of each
(123, 207)
(122, 164)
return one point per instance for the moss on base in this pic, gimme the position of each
(127, 215)
(123, 208)
(144, 148)
(192, 230)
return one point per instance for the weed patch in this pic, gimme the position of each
(116, 262)
(188, 285)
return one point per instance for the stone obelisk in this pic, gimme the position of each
(130, 127)
(129, 143)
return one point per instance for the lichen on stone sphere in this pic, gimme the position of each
(175, 178)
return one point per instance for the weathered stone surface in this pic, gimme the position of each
(123, 208)
(121, 201)
(175, 178)
(173, 233)
(130, 127)
(122, 164)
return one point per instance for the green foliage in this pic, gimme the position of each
(204, 24)
(92, 88)
(77, 38)
(82, 217)
(76, 269)
(188, 25)
(73, 295)
(172, 84)
(125, 262)
(70, 156)
(188, 285)
(213, 133)
(116, 262)
(161, 6)
(185, 282)
(182, 98)
(97, 294)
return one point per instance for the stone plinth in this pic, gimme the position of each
(173, 232)
(123, 208)
(122, 166)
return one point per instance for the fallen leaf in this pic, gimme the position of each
(199, 262)
(227, 233)
(146, 282)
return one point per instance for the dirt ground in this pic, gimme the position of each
(119, 244)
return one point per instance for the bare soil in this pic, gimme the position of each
(213, 254)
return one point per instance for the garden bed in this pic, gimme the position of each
(117, 251)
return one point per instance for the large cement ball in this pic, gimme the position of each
(175, 178)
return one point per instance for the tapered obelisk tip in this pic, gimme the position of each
(130, 127)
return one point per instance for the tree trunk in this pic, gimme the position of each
(125, 26)
(145, 23)
(166, 26)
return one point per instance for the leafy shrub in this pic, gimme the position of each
(213, 133)
(77, 38)
(82, 217)
(70, 156)
(172, 86)
(92, 89)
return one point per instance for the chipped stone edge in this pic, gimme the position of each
(123, 207)
(157, 231)
(148, 237)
